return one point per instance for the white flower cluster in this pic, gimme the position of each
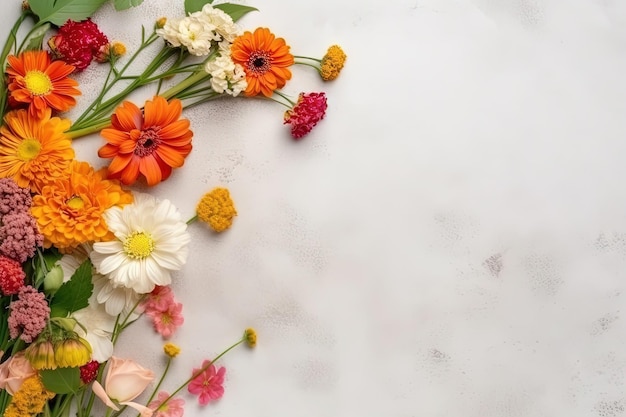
(198, 31)
(226, 76)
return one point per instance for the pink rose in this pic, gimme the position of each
(124, 381)
(14, 371)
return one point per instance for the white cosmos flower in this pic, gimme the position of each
(150, 242)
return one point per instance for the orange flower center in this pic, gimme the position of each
(148, 141)
(259, 62)
(28, 149)
(38, 83)
(75, 203)
(138, 245)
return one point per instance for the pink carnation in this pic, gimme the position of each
(166, 322)
(28, 314)
(19, 236)
(159, 299)
(12, 276)
(310, 109)
(77, 43)
(13, 198)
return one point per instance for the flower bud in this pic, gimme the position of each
(53, 280)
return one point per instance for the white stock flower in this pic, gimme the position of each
(150, 242)
(222, 22)
(226, 76)
(170, 33)
(197, 35)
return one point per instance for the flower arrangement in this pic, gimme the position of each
(83, 254)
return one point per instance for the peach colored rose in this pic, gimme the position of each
(124, 381)
(14, 371)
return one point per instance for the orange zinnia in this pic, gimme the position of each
(40, 83)
(149, 143)
(34, 151)
(265, 59)
(69, 212)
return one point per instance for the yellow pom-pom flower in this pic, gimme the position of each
(171, 350)
(30, 399)
(217, 209)
(332, 63)
(250, 336)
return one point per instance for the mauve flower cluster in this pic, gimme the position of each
(19, 235)
(310, 109)
(78, 43)
(28, 314)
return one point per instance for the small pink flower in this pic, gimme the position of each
(28, 314)
(208, 384)
(19, 236)
(77, 43)
(173, 408)
(14, 371)
(166, 322)
(11, 276)
(159, 299)
(309, 109)
(13, 198)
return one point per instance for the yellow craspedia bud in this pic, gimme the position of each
(217, 209)
(250, 336)
(332, 63)
(72, 352)
(160, 22)
(171, 350)
(40, 354)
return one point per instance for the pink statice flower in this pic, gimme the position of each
(28, 314)
(304, 115)
(175, 407)
(167, 321)
(207, 385)
(78, 43)
(159, 299)
(11, 276)
(19, 236)
(13, 198)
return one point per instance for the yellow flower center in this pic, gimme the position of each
(138, 245)
(28, 149)
(37, 83)
(75, 203)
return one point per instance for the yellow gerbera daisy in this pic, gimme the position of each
(70, 211)
(34, 151)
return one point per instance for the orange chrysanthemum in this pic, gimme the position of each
(149, 143)
(34, 151)
(265, 59)
(40, 83)
(69, 211)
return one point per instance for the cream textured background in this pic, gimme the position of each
(449, 241)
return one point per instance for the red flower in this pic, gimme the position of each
(78, 43)
(11, 276)
(89, 372)
(310, 109)
(208, 384)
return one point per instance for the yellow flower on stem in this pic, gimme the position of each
(70, 211)
(332, 63)
(217, 209)
(171, 350)
(41, 354)
(250, 336)
(265, 59)
(72, 352)
(34, 151)
(39, 82)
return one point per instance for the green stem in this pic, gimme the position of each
(307, 57)
(88, 130)
(193, 219)
(188, 82)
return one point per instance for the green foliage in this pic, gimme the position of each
(61, 380)
(74, 294)
(195, 5)
(58, 12)
(126, 4)
(35, 38)
(236, 11)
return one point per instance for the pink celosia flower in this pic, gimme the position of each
(208, 384)
(310, 109)
(159, 299)
(29, 314)
(19, 236)
(13, 198)
(77, 43)
(166, 322)
(173, 408)
(11, 276)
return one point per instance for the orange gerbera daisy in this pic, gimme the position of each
(34, 151)
(265, 59)
(35, 80)
(69, 211)
(149, 143)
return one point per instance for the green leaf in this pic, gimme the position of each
(61, 380)
(35, 39)
(126, 4)
(236, 11)
(74, 294)
(58, 12)
(195, 5)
